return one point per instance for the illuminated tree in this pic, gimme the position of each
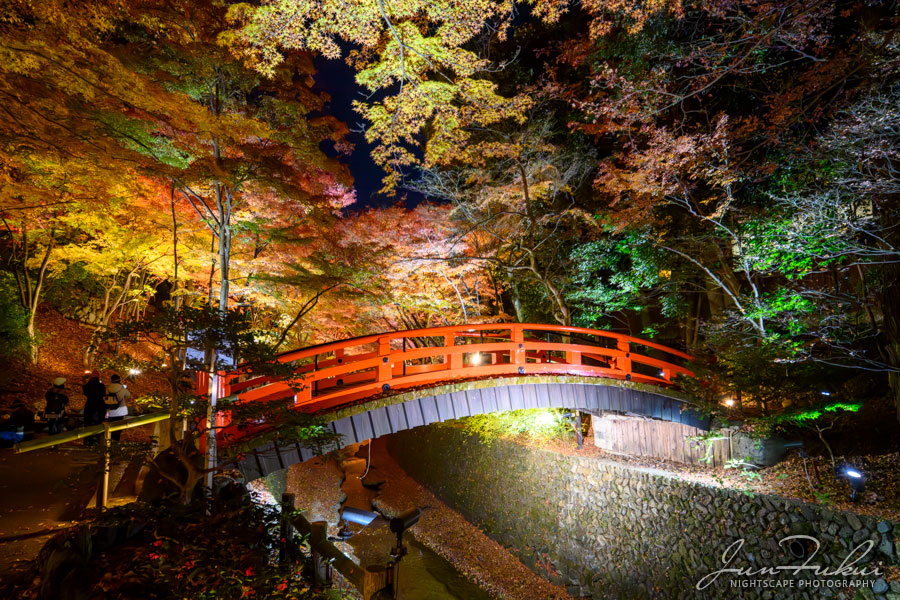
(515, 206)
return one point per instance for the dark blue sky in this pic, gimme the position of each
(337, 79)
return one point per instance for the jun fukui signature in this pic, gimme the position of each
(847, 568)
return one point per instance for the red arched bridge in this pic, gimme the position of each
(380, 384)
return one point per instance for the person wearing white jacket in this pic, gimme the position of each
(117, 398)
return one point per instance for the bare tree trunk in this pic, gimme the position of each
(35, 300)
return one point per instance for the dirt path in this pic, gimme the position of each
(41, 493)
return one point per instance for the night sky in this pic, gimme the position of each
(337, 79)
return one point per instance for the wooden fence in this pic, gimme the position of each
(640, 436)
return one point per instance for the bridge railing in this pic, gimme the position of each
(339, 373)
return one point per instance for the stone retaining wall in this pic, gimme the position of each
(612, 531)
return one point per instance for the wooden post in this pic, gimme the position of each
(579, 436)
(286, 532)
(103, 490)
(318, 535)
(375, 583)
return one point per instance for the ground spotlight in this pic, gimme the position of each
(476, 359)
(354, 515)
(546, 418)
(857, 483)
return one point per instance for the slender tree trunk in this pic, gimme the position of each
(34, 297)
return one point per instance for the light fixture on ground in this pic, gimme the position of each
(476, 359)
(399, 525)
(354, 515)
(574, 418)
(857, 483)
(546, 418)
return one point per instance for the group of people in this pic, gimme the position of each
(103, 403)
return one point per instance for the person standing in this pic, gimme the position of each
(94, 406)
(55, 410)
(117, 395)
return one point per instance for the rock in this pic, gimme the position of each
(854, 521)
(886, 547)
(883, 527)
(880, 586)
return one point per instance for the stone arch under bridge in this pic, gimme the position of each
(387, 415)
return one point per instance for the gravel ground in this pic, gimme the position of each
(492, 567)
(316, 485)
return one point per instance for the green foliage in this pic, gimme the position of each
(14, 339)
(619, 272)
(533, 424)
(70, 287)
(706, 441)
(807, 417)
(792, 246)
(761, 371)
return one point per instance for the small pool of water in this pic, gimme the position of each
(423, 574)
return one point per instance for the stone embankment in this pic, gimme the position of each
(609, 530)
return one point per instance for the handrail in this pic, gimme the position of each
(91, 430)
(327, 347)
(338, 373)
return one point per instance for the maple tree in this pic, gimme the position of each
(515, 204)
(716, 174)
(120, 102)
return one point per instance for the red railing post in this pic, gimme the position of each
(455, 360)
(304, 394)
(202, 379)
(518, 338)
(224, 384)
(623, 363)
(384, 367)
(573, 357)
